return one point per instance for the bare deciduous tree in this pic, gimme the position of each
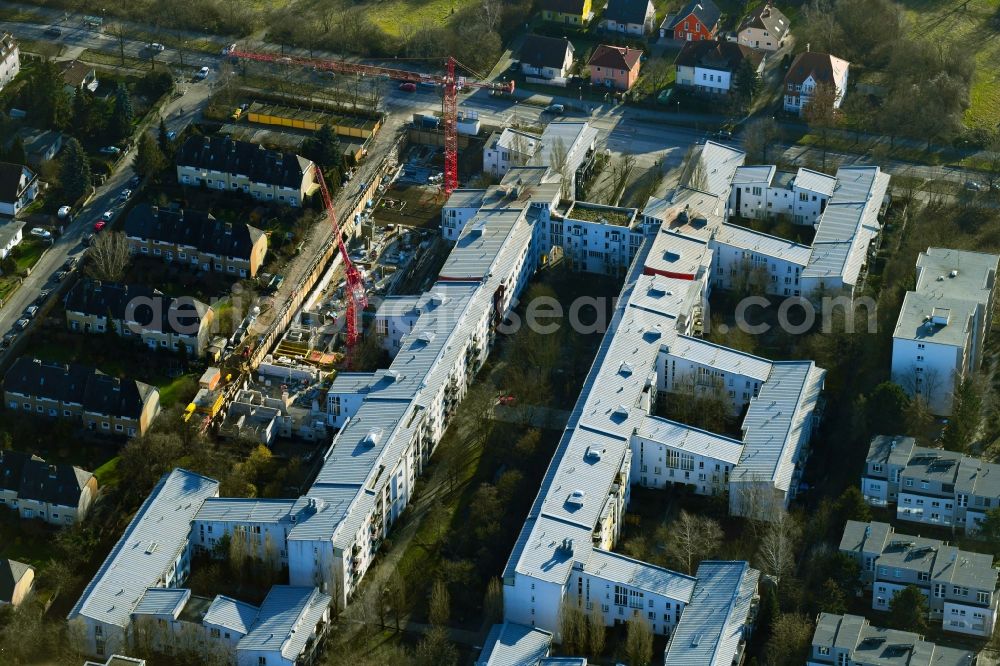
(440, 604)
(109, 257)
(692, 539)
(776, 554)
(596, 633)
(493, 601)
(572, 626)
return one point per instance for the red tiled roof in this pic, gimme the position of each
(615, 57)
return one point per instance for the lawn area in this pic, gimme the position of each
(29, 251)
(107, 474)
(392, 15)
(974, 25)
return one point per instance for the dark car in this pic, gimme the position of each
(53, 31)
(408, 86)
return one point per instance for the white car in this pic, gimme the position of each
(126, 193)
(41, 233)
(108, 215)
(202, 73)
(110, 150)
(155, 46)
(63, 212)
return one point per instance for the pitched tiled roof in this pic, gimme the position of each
(766, 17)
(192, 228)
(823, 67)
(627, 11)
(10, 180)
(714, 54)
(563, 6)
(11, 572)
(242, 157)
(79, 384)
(132, 303)
(543, 51)
(615, 57)
(705, 11)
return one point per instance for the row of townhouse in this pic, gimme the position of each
(104, 404)
(57, 494)
(196, 239)
(227, 165)
(943, 324)
(851, 639)
(136, 600)
(930, 486)
(140, 313)
(960, 586)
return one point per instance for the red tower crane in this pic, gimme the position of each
(357, 299)
(448, 80)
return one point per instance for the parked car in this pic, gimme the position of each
(134, 181)
(63, 212)
(156, 46)
(88, 238)
(42, 295)
(100, 224)
(126, 193)
(61, 275)
(555, 109)
(21, 324)
(108, 215)
(31, 311)
(973, 185)
(71, 263)
(408, 86)
(40, 233)
(202, 74)
(110, 150)
(52, 31)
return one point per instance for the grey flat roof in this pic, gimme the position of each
(511, 644)
(162, 601)
(232, 614)
(687, 438)
(148, 548)
(634, 573)
(712, 624)
(286, 620)
(246, 510)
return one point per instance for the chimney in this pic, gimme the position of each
(155, 210)
(807, 47)
(52, 471)
(229, 228)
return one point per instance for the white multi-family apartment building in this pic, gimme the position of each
(851, 639)
(943, 324)
(762, 192)
(960, 586)
(930, 486)
(10, 59)
(509, 148)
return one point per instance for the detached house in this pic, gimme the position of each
(103, 403)
(696, 21)
(763, 28)
(197, 239)
(79, 76)
(570, 12)
(10, 59)
(16, 581)
(57, 494)
(614, 66)
(11, 234)
(709, 66)
(809, 70)
(18, 188)
(631, 17)
(547, 58)
(140, 313)
(220, 163)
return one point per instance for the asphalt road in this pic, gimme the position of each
(107, 197)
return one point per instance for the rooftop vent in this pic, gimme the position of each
(621, 410)
(593, 453)
(625, 368)
(426, 337)
(372, 437)
(953, 274)
(575, 498)
(437, 298)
